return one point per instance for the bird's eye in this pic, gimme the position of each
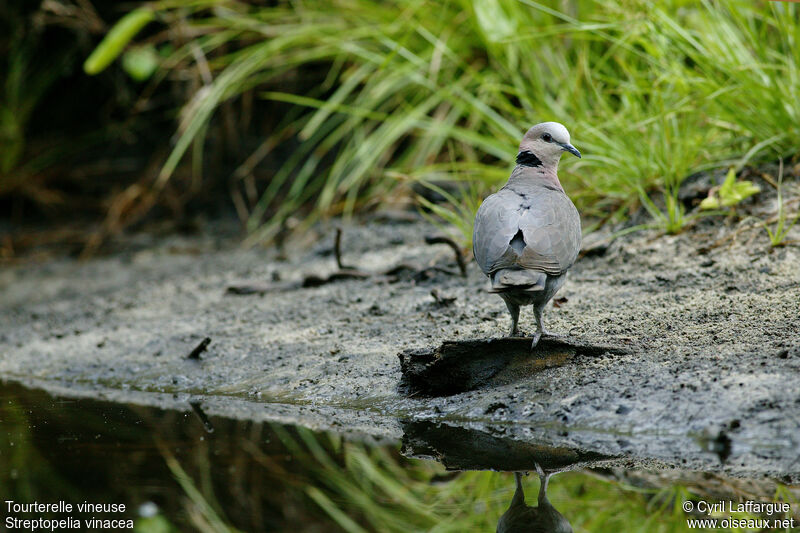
(547, 137)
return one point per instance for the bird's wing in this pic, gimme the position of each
(496, 223)
(549, 224)
(552, 232)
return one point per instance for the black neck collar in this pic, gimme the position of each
(528, 159)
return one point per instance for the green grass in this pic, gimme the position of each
(411, 91)
(783, 222)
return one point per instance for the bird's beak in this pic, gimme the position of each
(571, 149)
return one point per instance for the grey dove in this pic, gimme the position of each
(528, 234)
(541, 519)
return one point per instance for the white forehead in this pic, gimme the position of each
(556, 130)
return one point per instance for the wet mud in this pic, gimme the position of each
(702, 332)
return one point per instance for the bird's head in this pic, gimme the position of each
(543, 145)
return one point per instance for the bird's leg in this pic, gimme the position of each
(535, 341)
(543, 479)
(514, 310)
(538, 311)
(519, 494)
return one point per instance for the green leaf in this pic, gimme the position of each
(732, 192)
(727, 186)
(744, 189)
(710, 202)
(140, 62)
(116, 39)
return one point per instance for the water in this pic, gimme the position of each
(167, 470)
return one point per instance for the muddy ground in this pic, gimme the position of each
(709, 320)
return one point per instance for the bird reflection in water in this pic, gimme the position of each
(544, 518)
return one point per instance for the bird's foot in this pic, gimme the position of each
(548, 333)
(536, 337)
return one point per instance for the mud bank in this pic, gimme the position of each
(709, 321)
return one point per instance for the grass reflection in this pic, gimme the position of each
(174, 475)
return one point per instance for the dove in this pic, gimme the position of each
(544, 518)
(528, 234)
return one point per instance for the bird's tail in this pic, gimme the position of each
(507, 279)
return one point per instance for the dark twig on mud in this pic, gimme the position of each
(337, 250)
(198, 410)
(442, 300)
(250, 288)
(349, 273)
(441, 239)
(200, 348)
(393, 274)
